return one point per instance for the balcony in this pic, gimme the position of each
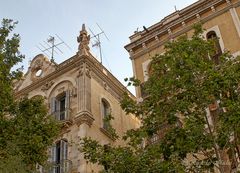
(63, 116)
(65, 166)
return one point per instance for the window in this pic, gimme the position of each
(211, 35)
(60, 106)
(144, 93)
(59, 157)
(105, 114)
(150, 69)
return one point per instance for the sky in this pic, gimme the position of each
(39, 19)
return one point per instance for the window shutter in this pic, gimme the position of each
(67, 104)
(63, 155)
(103, 114)
(53, 158)
(53, 105)
(64, 149)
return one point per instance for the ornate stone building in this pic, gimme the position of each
(219, 18)
(80, 93)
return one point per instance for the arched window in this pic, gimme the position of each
(211, 35)
(150, 69)
(60, 106)
(106, 111)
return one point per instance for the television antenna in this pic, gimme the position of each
(51, 46)
(97, 41)
(175, 7)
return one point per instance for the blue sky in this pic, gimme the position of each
(119, 19)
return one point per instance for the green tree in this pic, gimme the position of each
(26, 130)
(183, 84)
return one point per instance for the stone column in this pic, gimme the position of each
(84, 88)
(236, 20)
(82, 132)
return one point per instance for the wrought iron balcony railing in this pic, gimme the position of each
(62, 116)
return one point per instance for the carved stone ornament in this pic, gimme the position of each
(80, 70)
(84, 69)
(88, 71)
(83, 41)
(47, 85)
(37, 65)
(84, 117)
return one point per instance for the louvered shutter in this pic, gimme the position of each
(53, 106)
(64, 155)
(53, 158)
(67, 105)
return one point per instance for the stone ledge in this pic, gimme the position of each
(84, 117)
(106, 132)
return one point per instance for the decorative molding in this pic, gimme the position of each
(38, 64)
(84, 69)
(219, 35)
(236, 20)
(105, 132)
(88, 70)
(61, 90)
(47, 85)
(80, 70)
(183, 24)
(213, 9)
(159, 29)
(94, 69)
(84, 117)
(62, 68)
(186, 29)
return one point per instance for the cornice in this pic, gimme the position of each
(184, 30)
(73, 62)
(61, 68)
(114, 85)
(188, 13)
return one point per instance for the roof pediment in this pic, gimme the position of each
(40, 67)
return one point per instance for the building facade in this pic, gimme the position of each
(220, 20)
(80, 92)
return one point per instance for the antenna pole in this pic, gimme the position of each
(52, 48)
(98, 41)
(51, 44)
(100, 48)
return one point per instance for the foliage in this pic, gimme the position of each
(109, 128)
(26, 130)
(184, 83)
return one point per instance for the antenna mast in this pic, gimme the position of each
(98, 41)
(52, 46)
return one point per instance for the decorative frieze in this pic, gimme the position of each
(213, 9)
(198, 16)
(169, 31)
(47, 85)
(183, 24)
